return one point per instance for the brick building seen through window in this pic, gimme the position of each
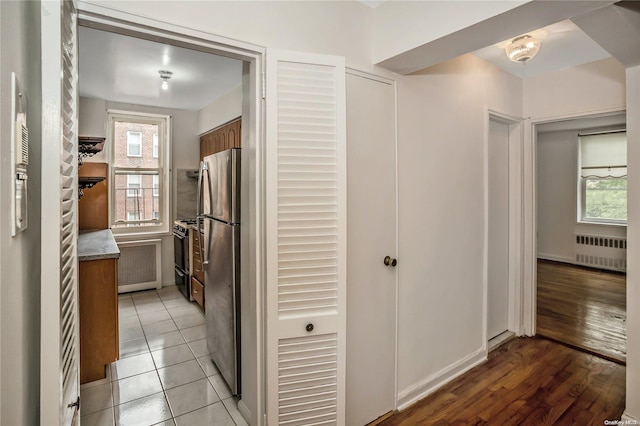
(137, 169)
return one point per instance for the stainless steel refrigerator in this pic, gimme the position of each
(219, 218)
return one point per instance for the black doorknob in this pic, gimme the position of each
(388, 261)
(309, 327)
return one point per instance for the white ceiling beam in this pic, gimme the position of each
(617, 29)
(519, 20)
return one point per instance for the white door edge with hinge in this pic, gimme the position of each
(59, 344)
(305, 198)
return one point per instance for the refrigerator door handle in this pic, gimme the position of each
(199, 210)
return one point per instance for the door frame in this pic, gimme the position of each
(515, 195)
(253, 237)
(530, 199)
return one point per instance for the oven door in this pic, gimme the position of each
(181, 252)
(182, 281)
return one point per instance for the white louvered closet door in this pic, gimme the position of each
(306, 239)
(60, 351)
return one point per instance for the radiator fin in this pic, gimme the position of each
(603, 252)
(138, 264)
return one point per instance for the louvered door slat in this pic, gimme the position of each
(305, 215)
(59, 368)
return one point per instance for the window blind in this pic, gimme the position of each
(603, 155)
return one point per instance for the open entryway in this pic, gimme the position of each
(581, 233)
(503, 143)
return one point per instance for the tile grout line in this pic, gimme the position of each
(156, 368)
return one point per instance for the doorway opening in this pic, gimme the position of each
(157, 348)
(503, 211)
(581, 233)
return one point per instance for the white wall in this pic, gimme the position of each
(20, 256)
(331, 27)
(442, 124)
(633, 262)
(557, 190)
(403, 25)
(224, 109)
(557, 175)
(185, 151)
(585, 89)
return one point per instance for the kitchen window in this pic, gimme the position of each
(603, 178)
(139, 196)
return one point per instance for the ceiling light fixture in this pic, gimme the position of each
(522, 48)
(165, 76)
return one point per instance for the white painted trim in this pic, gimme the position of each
(629, 419)
(370, 76)
(244, 411)
(108, 19)
(432, 383)
(398, 254)
(555, 258)
(515, 201)
(529, 192)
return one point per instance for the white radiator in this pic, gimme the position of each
(139, 266)
(602, 252)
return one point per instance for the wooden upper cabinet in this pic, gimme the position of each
(93, 206)
(233, 134)
(222, 138)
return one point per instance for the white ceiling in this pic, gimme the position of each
(125, 69)
(562, 45)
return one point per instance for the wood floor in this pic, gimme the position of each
(584, 308)
(527, 381)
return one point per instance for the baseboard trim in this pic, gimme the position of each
(244, 411)
(432, 383)
(168, 283)
(556, 258)
(631, 420)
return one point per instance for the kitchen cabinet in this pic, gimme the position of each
(98, 303)
(93, 206)
(221, 138)
(197, 292)
(197, 272)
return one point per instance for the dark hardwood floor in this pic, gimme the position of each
(526, 381)
(584, 308)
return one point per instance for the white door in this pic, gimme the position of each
(371, 235)
(60, 361)
(305, 189)
(498, 236)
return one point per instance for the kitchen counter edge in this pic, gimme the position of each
(97, 245)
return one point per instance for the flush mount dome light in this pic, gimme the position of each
(522, 48)
(165, 76)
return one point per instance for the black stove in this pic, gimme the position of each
(182, 226)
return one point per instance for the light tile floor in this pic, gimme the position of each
(164, 375)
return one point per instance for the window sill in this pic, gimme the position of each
(128, 233)
(589, 222)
